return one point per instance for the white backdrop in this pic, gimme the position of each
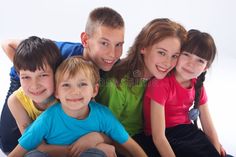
(65, 20)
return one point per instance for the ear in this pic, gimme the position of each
(206, 68)
(95, 90)
(84, 38)
(143, 50)
(56, 95)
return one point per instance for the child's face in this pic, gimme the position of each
(104, 47)
(161, 58)
(75, 92)
(38, 85)
(190, 66)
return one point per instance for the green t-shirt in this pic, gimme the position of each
(124, 102)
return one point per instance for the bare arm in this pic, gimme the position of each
(133, 148)
(88, 141)
(23, 120)
(158, 130)
(19, 113)
(208, 127)
(9, 47)
(18, 151)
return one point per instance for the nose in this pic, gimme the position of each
(190, 62)
(75, 90)
(112, 52)
(168, 61)
(35, 84)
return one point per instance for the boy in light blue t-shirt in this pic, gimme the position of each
(77, 82)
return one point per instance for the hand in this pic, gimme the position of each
(222, 152)
(82, 144)
(108, 149)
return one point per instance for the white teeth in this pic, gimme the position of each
(108, 61)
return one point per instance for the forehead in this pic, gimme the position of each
(169, 44)
(46, 68)
(77, 75)
(110, 34)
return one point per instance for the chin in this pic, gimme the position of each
(160, 76)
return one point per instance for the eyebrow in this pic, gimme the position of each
(103, 38)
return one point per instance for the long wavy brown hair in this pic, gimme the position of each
(154, 32)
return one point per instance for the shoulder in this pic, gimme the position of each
(99, 108)
(13, 101)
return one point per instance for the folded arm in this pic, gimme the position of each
(9, 47)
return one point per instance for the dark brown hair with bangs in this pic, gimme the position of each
(201, 44)
(34, 53)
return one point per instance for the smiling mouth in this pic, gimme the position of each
(160, 69)
(187, 71)
(109, 61)
(37, 93)
(74, 99)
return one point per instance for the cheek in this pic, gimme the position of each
(49, 84)
(25, 85)
(174, 63)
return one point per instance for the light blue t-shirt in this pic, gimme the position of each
(57, 128)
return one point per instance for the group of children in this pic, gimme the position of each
(149, 92)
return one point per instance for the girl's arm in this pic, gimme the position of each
(18, 151)
(133, 148)
(208, 127)
(19, 113)
(9, 47)
(158, 130)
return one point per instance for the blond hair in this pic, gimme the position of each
(74, 65)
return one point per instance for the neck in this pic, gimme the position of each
(183, 82)
(46, 103)
(85, 54)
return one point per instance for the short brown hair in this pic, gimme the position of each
(103, 16)
(33, 53)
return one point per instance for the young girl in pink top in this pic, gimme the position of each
(167, 103)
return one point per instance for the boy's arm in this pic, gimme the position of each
(54, 150)
(19, 113)
(9, 47)
(208, 127)
(158, 130)
(18, 151)
(88, 141)
(133, 148)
